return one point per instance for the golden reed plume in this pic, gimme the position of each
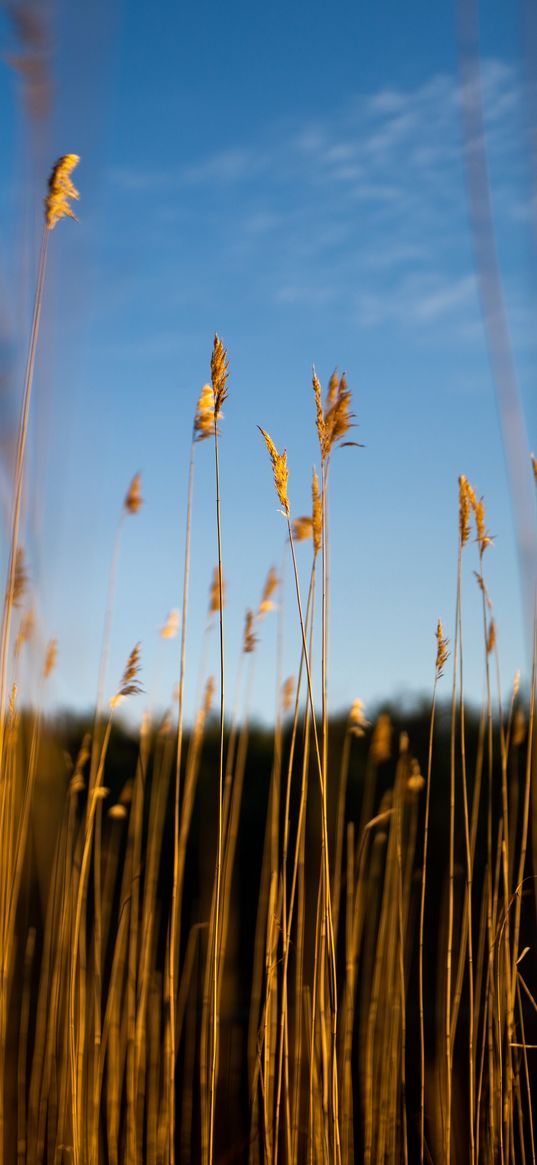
(134, 500)
(279, 469)
(219, 374)
(60, 190)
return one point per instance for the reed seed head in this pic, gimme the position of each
(271, 585)
(321, 431)
(534, 467)
(219, 374)
(51, 656)
(134, 500)
(441, 650)
(171, 626)
(249, 638)
(335, 420)
(214, 593)
(21, 578)
(25, 632)
(60, 190)
(464, 510)
(302, 529)
(117, 812)
(204, 416)
(381, 741)
(129, 685)
(491, 637)
(357, 723)
(279, 470)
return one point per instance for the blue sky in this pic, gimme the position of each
(291, 177)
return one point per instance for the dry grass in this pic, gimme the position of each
(377, 1002)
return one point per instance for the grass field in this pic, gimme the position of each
(220, 944)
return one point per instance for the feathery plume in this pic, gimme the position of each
(60, 190)
(271, 584)
(129, 685)
(483, 537)
(464, 510)
(25, 631)
(441, 650)
(50, 658)
(171, 626)
(302, 529)
(214, 593)
(134, 500)
(279, 469)
(381, 739)
(334, 421)
(21, 578)
(534, 467)
(204, 416)
(250, 638)
(357, 723)
(491, 637)
(219, 374)
(321, 429)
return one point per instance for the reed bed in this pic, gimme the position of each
(311, 946)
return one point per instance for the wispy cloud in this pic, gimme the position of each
(364, 208)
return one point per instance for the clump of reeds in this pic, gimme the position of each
(126, 1030)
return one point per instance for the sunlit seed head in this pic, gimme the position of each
(249, 638)
(128, 685)
(117, 812)
(25, 632)
(21, 578)
(279, 470)
(441, 650)
(204, 417)
(134, 500)
(357, 723)
(381, 740)
(219, 374)
(319, 413)
(288, 693)
(171, 626)
(491, 637)
(271, 585)
(214, 593)
(534, 467)
(316, 513)
(464, 510)
(60, 191)
(51, 656)
(302, 529)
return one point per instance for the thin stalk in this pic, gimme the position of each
(174, 926)
(214, 1051)
(422, 920)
